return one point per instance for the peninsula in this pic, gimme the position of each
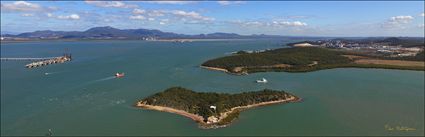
(305, 59)
(212, 110)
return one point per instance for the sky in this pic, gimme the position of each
(287, 18)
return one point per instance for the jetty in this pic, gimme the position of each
(54, 60)
(38, 62)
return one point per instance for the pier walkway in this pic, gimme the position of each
(26, 59)
(38, 62)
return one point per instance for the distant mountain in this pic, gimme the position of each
(44, 33)
(8, 33)
(220, 35)
(108, 32)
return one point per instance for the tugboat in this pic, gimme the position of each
(118, 75)
(262, 81)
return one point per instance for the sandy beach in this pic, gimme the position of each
(194, 117)
(213, 68)
(291, 99)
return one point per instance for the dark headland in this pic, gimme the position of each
(305, 59)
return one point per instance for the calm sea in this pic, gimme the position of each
(81, 98)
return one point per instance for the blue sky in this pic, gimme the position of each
(289, 18)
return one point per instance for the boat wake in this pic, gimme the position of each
(99, 80)
(104, 79)
(51, 73)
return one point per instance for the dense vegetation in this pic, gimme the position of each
(299, 59)
(405, 42)
(200, 102)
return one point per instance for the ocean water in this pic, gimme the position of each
(82, 98)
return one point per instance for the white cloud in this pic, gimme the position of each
(421, 25)
(156, 13)
(64, 17)
(175, 15)
(401, 19)
(230, 2)
(292, 24)
(137, 17)
(397, 22)
(150, 13)
(22, 6)
(138, 11)
(27, 15)
(164, 21)
(270, 24)
(69, 17)
(254, 23)
(110, 4)
(171, 2)
(191, 15)
(184, 13)
(423, 14)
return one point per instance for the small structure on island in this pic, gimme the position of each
(213, 107)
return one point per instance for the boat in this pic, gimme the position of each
(118, 75)
(262, 81)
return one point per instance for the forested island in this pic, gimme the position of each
(304, 59)
(209, 109)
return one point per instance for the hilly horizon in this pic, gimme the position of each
(108, 32)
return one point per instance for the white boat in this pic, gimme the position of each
(119, 75)
(262, 81)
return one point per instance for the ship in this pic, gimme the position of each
(118, 75)
(262, 81)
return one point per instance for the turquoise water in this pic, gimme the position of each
(81, 98)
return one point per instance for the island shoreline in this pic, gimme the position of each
(353, 65)
(199, 119)
(307, 59)
(194, 117)
(215, 68)
(222, 70)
